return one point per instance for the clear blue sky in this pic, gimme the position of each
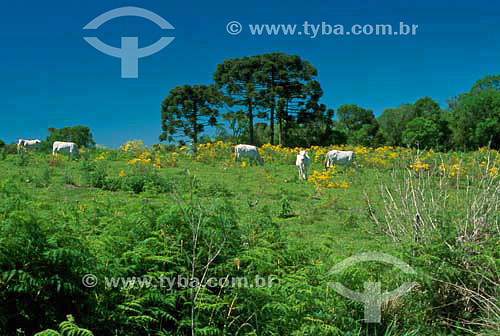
(50, 77)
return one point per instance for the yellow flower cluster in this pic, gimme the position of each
(144, 157)
(381, 157)
(325, 179)
(168, 160)
(132, 145)
(141, 156)
(419, 166)
(139, 160)
(454, 170)
(213, 151)
(451, 165)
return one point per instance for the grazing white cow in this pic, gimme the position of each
(247, 151)
(27, 144)
(61, 146)
(303, 161)
(345, 158)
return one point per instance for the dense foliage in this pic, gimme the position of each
(142, 214)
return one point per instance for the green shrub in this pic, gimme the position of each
(68, 327)
(40, 272)
(42, 180)
(135, 183)
(157, 184)
(113, 183)
(22, 159)
(286, 210)
(10, 148)
(95, 175)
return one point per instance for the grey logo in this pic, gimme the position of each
(129, 53)
(372, 296)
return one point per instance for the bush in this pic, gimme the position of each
(10, 148)
(453, 233)
(42, 180)
(97, 178)
(94, 175)
(158, 184)
(41, 273)
(135, 183)
(113, 183)
(22, 159)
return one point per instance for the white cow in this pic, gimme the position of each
(303, 161)
(247, 151)
(27, 144)
(345, 158)
(61, 146)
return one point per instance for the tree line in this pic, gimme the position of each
(276, 98)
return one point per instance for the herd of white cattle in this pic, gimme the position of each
(57, 146)
(303, 161)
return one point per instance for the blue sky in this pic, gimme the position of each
(50, 77)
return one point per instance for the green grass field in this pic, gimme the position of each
(103, 215)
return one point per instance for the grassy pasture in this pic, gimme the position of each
(133, 212)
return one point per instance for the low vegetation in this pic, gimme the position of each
(163, 212)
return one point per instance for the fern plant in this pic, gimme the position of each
(66, 328)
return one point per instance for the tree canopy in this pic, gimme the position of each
(275, 87)
(189, 109)
(281, 94)
(80, 135)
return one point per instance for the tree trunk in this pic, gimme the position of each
(286, 125)
(250, 122)
(195, 130)
(280, 123)
(271, 115)
(195, 141)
